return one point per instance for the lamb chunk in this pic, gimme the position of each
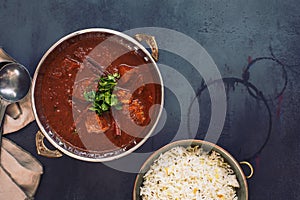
(124, 69)
(95, 123)
(94, 66)
(80, 53)
(70, 64)
(84, 85)
(127, 73)
(131, 78)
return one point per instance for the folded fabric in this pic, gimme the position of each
(9, 189)
(11, 125)
(20, 172)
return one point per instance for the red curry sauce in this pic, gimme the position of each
(74, 67)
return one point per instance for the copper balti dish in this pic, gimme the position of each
(72, 68)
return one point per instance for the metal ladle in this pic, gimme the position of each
(15, 83)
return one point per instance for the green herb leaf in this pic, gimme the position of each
(103, 98)
(105, 106)
(113, 100)
(89, 96)
(118, 107)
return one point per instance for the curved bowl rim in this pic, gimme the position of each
(183, 143)
(100, 30)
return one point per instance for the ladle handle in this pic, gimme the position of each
(3, 106)
(14, 109)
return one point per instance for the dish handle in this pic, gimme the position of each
(150, 40)
(250, 167)
(42, 149)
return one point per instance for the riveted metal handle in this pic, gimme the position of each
(150, 40)
(42, 149)
(250, 167)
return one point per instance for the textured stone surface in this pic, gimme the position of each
(230, 31)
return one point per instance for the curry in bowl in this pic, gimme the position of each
(95, 93)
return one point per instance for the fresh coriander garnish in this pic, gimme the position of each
(103, 98)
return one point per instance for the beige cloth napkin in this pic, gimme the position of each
(19, 171)
(12, 125)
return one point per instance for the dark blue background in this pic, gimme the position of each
(229, 30)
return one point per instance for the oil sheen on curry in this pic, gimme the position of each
(89, 67)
